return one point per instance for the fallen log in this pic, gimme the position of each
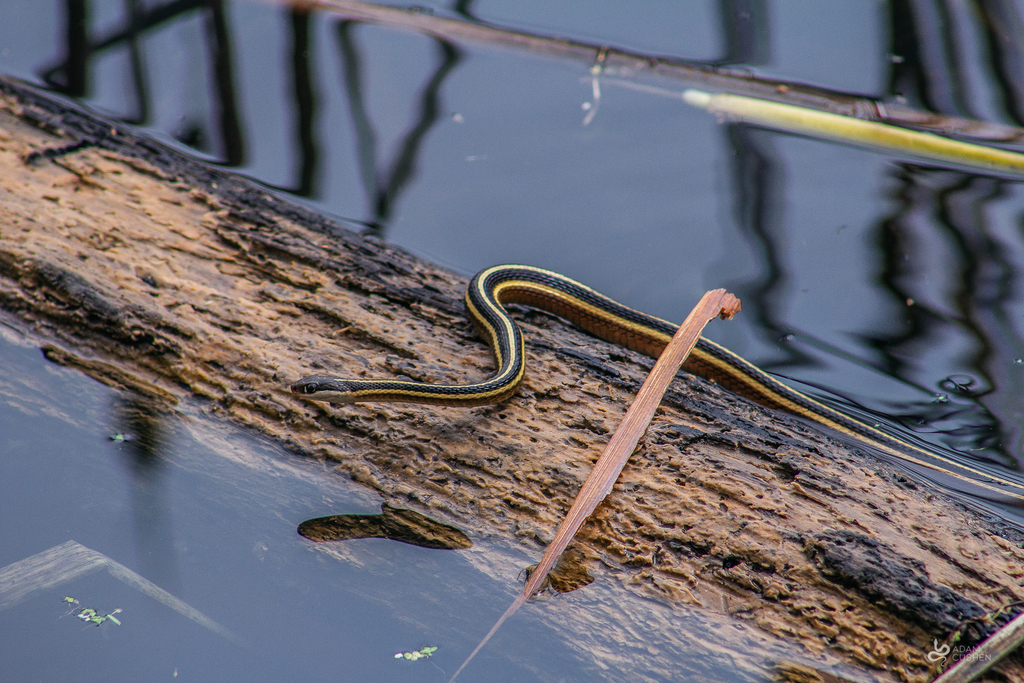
(155, 273)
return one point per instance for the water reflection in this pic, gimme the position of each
(139, 437)
(396, 524)
(248, 579)
(71, 75)
(938, 207)
(569, 573)
(382, 189)
(1004, 36)
(933, 44)
(758, 181)
(305, 102)
(745, 28)
(924, 65)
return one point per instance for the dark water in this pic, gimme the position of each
(888, 282)
(209, 515)
(185, 532)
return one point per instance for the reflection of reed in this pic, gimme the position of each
(925, 65)
(305, 102)
(74, 72)
(382, 190)
(927, 37)
(745, 30)
(930, 50)
(758, 188)
(70, 76)
(1004, 35)
(953, 208)
(987, 290)
(143, 448)
(464, 8)
(219, 39)
(134, 9)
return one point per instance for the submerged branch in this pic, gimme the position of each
(603, 57)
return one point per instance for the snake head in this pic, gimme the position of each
(323, 388)
(306, 386)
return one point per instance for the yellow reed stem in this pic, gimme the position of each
(856, 131)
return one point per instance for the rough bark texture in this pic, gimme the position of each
(151, 271)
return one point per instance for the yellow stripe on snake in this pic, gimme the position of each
(640, 332)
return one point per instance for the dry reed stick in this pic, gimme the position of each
(606, 471)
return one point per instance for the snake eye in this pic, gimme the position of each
(311, 388)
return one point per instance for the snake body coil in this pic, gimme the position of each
(634, 330)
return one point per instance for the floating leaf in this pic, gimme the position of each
(90, 615)
(422, 653)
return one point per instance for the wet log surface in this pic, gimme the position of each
(154, 273)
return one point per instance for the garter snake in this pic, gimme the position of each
(618, 324)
